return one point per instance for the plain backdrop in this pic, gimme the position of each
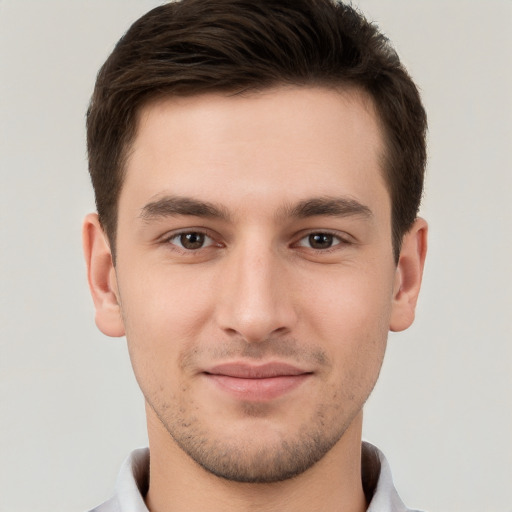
(70, 410)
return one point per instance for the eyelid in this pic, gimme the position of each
(166, 239)
(343, 239)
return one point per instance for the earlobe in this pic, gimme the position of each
(102, 278)
(408, 276)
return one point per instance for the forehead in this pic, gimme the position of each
(281, 144)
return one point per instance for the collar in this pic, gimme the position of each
(132, 483)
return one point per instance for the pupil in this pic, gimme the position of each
(192, 240)
(320, 240)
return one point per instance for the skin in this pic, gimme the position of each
(255, 229)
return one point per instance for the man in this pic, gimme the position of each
(258, 168)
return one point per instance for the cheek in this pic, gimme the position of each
(163, 315)
(351, 315)
(354, 300)
(161, 303)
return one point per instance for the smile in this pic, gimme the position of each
(257, 383)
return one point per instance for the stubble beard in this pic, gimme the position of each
(259, 449)
(249, 457)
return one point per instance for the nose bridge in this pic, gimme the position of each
(256, 301)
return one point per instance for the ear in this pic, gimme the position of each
(408, 276)
(102, 277)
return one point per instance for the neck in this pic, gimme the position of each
(179, 484)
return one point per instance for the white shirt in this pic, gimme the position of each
(134, 474)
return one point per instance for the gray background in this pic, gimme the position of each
(70, 410)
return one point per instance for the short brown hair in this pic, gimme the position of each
(195, 46)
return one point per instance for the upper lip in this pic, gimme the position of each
(244, 370)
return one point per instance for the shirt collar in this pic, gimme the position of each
(132, 483)
(376, 474)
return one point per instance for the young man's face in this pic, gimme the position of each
(255, 277)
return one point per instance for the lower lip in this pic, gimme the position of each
(258, 390)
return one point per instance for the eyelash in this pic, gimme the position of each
(202, 232)
(337, 239)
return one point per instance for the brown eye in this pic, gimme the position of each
(191, 240)
(321, 240)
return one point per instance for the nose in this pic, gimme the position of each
(256, 302)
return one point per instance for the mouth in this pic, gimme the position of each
(256, 383)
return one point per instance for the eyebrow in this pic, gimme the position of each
(171, 206)
(327, 206)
